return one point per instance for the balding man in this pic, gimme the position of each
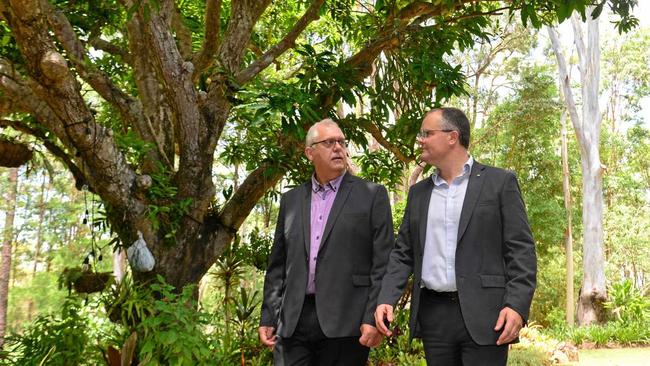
(331, 246)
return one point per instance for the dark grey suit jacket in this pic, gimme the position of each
(495, 256)
(357, 240)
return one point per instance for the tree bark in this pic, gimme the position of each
(593, 291)
(7, 242)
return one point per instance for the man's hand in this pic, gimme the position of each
(511, 322)
(267, 336)
(370, 337)
(384, 315)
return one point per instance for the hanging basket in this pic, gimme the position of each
(90, 282)
(84, 282)
(14, 154)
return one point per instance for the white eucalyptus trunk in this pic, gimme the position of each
(593, 290)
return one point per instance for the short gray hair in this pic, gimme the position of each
(312, 133)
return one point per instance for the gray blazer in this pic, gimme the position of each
(496, 264)
(357, 240)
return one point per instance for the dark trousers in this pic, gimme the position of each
(445, 338)
(308, 346)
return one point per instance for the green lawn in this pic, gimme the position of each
(615, 357)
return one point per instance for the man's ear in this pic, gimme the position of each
(454, 137)
(308, 153)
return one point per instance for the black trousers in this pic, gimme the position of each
(308, 346)
(445, 338)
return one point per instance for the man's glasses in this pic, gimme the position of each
(423, 134)
(329, 143)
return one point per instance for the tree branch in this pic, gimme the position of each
(22, 99)
(565, 82)
(250, 191)
(158, 124)
(579, 41)
(52, 147)
(128, 107)
(204, 57)
(379, 137)
(287, 42)
(183, 34)
(54, 84)
(244, 15)
(196, 155)
(106, 46)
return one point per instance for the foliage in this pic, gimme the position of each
(550, 295)
(627, 304)
(256, 251)
(54, 340)
(244, 320)
(127, 304)
(530, 356)
(166, 210)
(616, 333)
(398, 349)
(381, 166)
(135, 149)
(175, 334)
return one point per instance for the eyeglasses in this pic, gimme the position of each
(423, 134)
(329, 143)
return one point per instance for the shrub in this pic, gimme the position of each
(529, 356)
(627, 304)
(175, 335)
(397, 350)
(634, 333)
(54, 340)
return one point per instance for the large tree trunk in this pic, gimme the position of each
(593, 291)
(8, 237)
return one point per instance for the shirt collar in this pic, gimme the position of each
(467, 168)
(333, 185)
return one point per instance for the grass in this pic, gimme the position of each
(614, 357)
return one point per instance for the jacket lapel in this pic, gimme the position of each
(471, 197)
(423, 213)
(337, 206)
(305, 203)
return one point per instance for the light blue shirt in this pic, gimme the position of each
(445, 206)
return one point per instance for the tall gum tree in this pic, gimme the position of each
(170, 84)
(587, 125)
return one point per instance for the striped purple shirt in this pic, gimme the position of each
(322, 198)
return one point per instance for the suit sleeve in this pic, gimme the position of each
(400, 263)
(518, 249)
(275, 274)
(383, 240)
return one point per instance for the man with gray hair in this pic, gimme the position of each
(330, 250)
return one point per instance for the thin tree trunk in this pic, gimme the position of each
(568, 235)
(5, 267)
